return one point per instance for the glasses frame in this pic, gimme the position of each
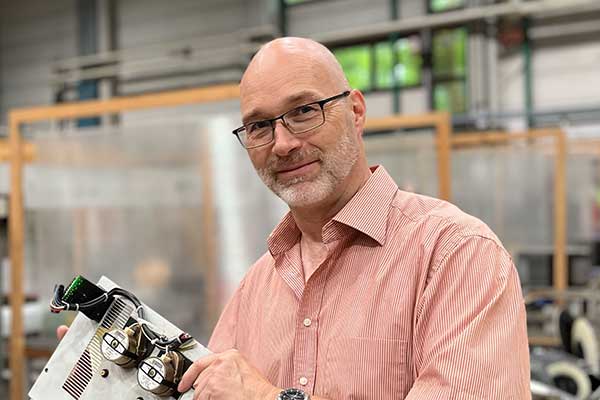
(271, 121)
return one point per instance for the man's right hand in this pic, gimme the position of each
(61, 331)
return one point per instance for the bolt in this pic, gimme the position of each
(104, 373)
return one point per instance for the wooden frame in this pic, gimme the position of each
(442, 124)
(445, 143)
(20, 152)
(560, 277)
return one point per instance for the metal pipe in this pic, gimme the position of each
(527, 74)
(141, 52)
(414, 24)
(558, 114)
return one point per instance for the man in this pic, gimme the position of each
(365, 292)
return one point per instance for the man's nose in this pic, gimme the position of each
(284, 141)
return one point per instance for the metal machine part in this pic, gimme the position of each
(161, 375)
(586, 344)
(542, 391)
(125, 347)
(78, 370)
(562, 371)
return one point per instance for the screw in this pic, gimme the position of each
(104, 373)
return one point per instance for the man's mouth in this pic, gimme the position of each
(297, 170)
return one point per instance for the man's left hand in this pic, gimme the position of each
(226, 376)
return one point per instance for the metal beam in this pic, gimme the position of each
(514, 8)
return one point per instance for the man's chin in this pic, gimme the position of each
(301, 194)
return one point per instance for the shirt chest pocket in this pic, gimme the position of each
(366, 368)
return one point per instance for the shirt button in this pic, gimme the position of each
(303, 381)
(307, 322)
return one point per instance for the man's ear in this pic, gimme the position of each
(359, 107)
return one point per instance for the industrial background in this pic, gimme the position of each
(493, 105)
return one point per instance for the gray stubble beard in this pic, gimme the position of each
(335, 167)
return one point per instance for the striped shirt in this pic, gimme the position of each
(416, 300)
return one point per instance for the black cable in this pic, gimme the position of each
(58, 304)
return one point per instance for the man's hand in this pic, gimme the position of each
(61, 331)
(226, 376)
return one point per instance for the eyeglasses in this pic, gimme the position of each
(299, 120)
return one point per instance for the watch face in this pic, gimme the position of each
(293, 394)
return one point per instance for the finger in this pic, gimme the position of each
(61, 331)
(199, 385)
(194, 370)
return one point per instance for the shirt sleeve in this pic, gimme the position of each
(224, 336)
(470, 335)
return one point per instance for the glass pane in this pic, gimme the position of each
(407, 71)
(410, 158)
(510, 188)
(445, 5)
(450, 96)
(356, 62)
(384, 73)
(134, 203)
(449, 53)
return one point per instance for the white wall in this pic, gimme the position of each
(308, 19)
(32, 35)
(567, 74)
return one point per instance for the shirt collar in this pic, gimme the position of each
(367, 212)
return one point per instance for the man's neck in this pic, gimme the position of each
(310, 220)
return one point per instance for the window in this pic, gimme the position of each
(407, 69)
(445, 5)
(449, 48)
(382, 65)
(450, 96)
(356, 62)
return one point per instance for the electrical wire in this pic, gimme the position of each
(58, 304)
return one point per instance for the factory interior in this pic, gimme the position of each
(117, 159)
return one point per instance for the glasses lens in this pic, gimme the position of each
(304, 118)
(256, 134)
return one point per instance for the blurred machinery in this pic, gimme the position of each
(570, 367)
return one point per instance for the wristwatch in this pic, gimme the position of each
(293, 394)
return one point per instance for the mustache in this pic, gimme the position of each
(276, 162)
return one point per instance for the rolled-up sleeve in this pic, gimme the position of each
(470, 335)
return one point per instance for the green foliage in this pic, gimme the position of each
(450, 96)
(406, 71)
(449, 53)
(356, 62)
(445, 5)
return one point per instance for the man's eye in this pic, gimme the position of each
(257, 126)
(306, 109)
(303, 112)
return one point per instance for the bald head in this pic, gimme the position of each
(321, 163)
(288, 66)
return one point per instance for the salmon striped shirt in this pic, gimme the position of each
(416, 300)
